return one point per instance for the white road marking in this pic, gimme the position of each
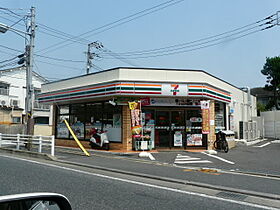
(151, 157)
(184, 159)
(148, 185)
(276, 141)
(189, 158)
(222, 159)
(189, 161)
(268, 143)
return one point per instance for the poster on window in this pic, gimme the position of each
(78, 129)
(62, 130)
(178, 139)
(117, 118)
(194, 139)
(90, 130)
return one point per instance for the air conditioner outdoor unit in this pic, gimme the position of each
(14, 103)
(3, 103)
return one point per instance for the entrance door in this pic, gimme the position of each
(170, 126)
(162, 129)
(177, 128)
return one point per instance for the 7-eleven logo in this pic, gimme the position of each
(175, 89)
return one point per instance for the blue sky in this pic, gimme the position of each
(237, 61)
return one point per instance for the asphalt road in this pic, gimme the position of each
(92, 190)
(252, 183)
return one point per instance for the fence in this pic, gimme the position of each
(20, 141)
(271, 124)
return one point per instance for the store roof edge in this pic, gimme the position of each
(146, 68)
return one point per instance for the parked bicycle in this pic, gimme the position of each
(221, 142)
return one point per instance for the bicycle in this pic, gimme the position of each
(221, 143)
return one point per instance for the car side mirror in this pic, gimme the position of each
(35, 201)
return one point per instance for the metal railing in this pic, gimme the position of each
(21, 141)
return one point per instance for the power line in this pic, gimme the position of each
(59, 59)
(68, 67)
(178, 50)
(199, 41)
(197, 48)
(117, 56)
(4, 61)
(10, 48)
(167, 3)
(10, 12)
(9, 64)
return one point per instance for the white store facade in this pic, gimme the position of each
(170, 105)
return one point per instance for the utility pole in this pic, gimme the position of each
(90, 55)
(29, 70)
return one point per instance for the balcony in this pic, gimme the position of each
(41, 107)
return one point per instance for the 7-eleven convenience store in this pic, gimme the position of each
(146, 107)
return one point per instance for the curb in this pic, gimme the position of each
(29, 154)
(178, 181)
(95, 151)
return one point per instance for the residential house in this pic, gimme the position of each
(12, 102)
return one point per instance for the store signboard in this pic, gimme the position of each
(205, 104)
(145, 101)
(178, 139)
(194, 139)
(174, 102)
(174, 89)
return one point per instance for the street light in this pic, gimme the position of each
(29, 66)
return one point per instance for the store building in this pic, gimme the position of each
(169, 99)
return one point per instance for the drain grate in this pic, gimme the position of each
(235, 196)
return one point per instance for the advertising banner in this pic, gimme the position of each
(205, 121)
(136, 125)
(205, 107)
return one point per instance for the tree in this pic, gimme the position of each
(271, 70)
(260, 108)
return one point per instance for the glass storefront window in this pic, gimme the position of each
(85, 118)
(193, 121)
(194, 127)
(219, 116)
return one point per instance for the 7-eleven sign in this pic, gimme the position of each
(174, 89)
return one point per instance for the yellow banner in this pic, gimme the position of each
(132, 105)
